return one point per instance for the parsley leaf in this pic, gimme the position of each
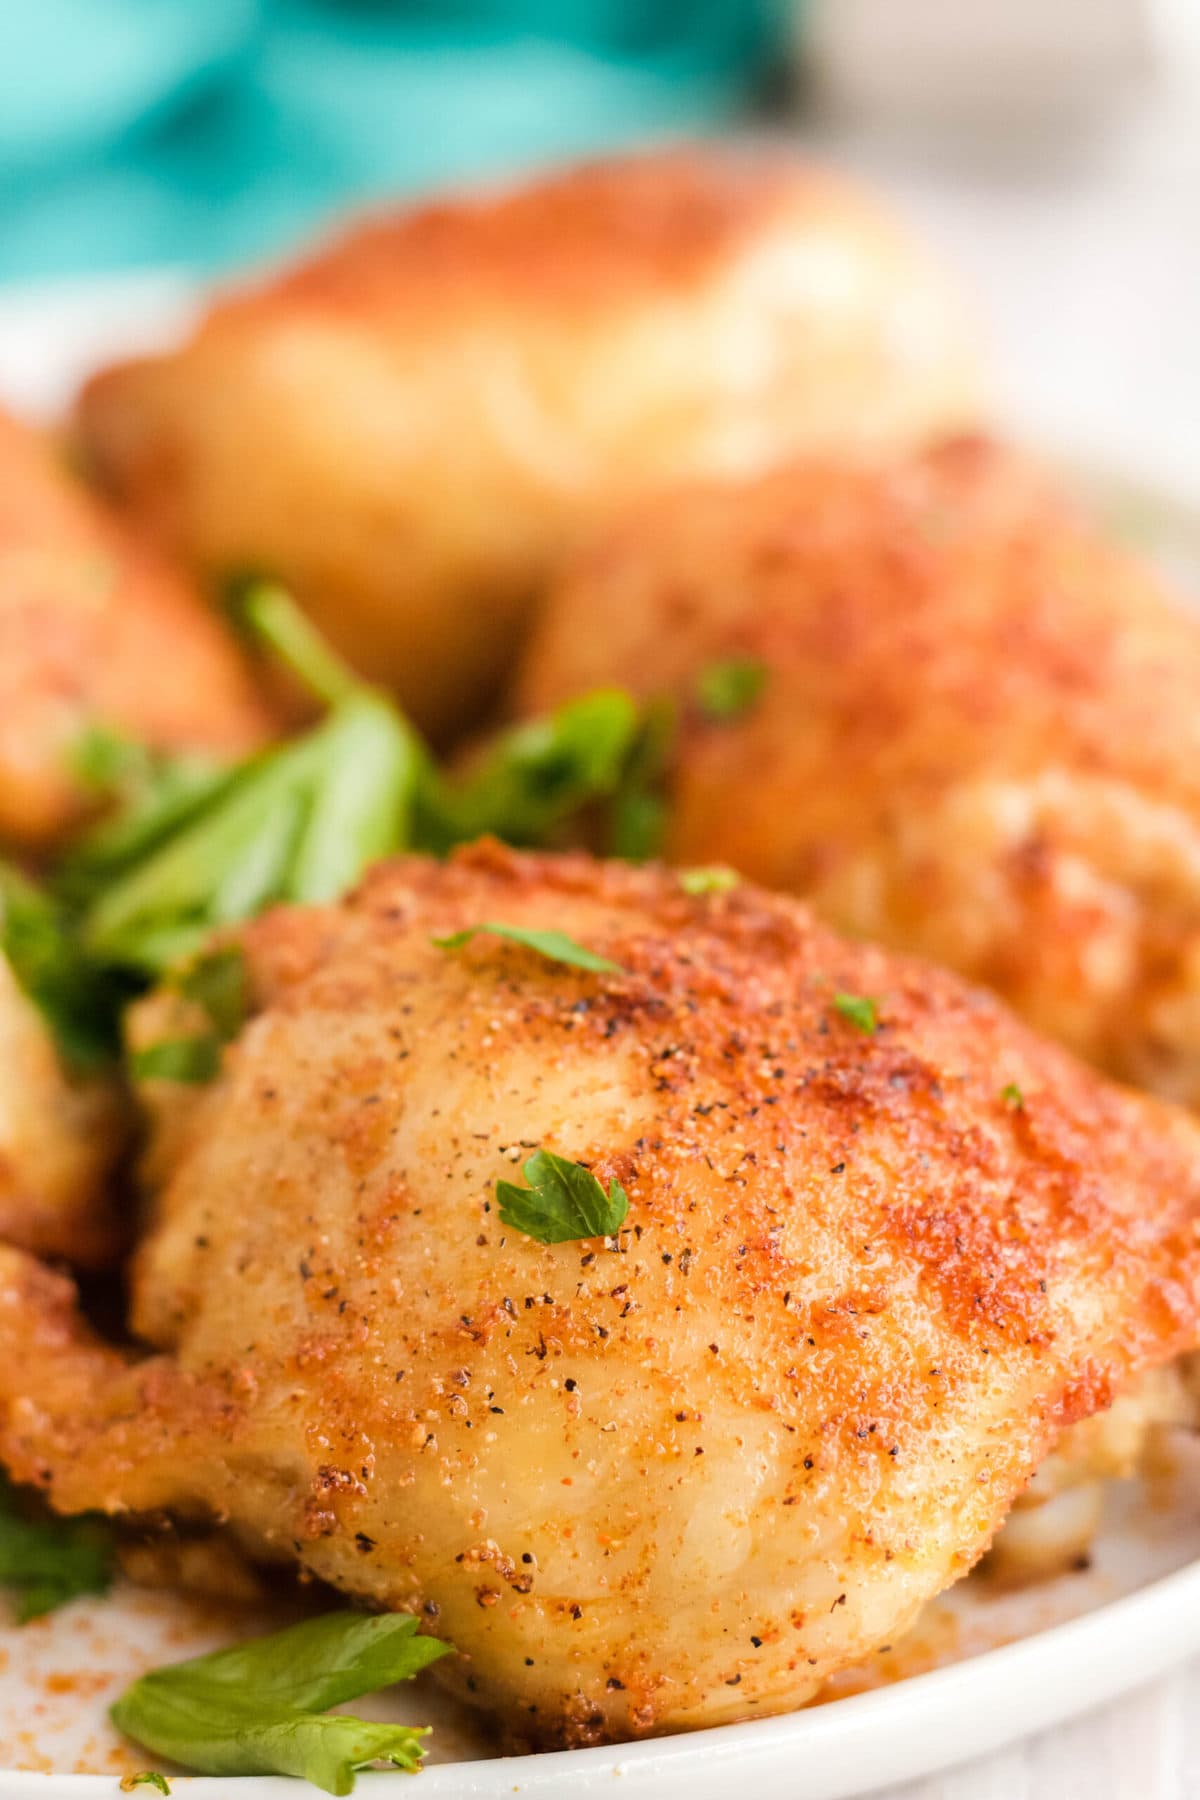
(1012, 1096)
(194, 1059)
(725, 690)
(116, 767)
(555, 946)
(862, 1012)
(105, 760)
(638, 812)
(190, 849)
(535, 776)
(216, 981)
(715, 880)
(300, 822)
(46, 1561)
(256, 1709)
(268, 611)
(563, 1201)
(78, 1001)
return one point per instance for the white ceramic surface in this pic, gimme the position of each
(981, 1670)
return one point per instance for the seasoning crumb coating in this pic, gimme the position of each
(978, 738)
(411, 425)
(95, 630)
(664, 1480)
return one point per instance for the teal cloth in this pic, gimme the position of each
(202, 132)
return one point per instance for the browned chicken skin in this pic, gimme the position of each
(413, 424)
(662, 1480)
(96, 630)
(978, 738)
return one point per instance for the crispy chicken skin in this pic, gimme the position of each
(410, 426)
(979, 736)
(660, 1481)
(60, 1138)
(95, 629)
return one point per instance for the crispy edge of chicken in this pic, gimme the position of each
(669, 1478)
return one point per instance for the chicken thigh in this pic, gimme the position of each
(882, 1245)
(977, 735)
(411, 425)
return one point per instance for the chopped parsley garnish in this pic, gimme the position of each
(188, 848)
(716, 880)
(118, 768)
(1012, 1096)
(862, 1012)
(277, 624)
(535, 776)
(555, 946)
(106, 760)
(190, 1059)
(563, 1201)
(261, 1708)
(78, 1001)
(216, 981)
(45, 1560)
(300, 822)
(638, 809)
(150, 1778)
(726, 689)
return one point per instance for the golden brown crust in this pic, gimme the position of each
(979, 736)
(411, 425)
(96, 630)
(663, 1480)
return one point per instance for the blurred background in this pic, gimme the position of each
(1052, 147)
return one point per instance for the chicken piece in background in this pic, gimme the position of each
(410, 428)
(97, 631)
(700, 1403)
(967, 727)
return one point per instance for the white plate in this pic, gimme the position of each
(982, 1668)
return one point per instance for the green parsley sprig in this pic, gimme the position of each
(78, 999)
(858, 1010)
(555, 946)
(302, 821)
(563, 1201)
(45, 1560)
(727, 689)
(715, 880)
(260, 1708)
(535, 777)
(189, 848)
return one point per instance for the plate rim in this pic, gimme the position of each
(1118, 1645)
